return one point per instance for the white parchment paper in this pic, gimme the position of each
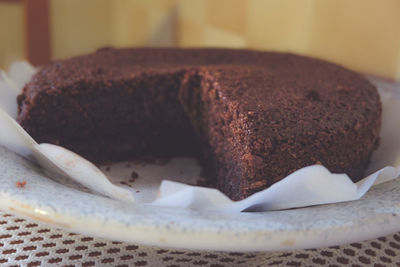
(312, 185)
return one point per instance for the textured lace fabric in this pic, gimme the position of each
(27, 243)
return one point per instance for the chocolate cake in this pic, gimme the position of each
(251, 117)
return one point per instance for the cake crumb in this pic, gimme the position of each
(108, 168)
(137, 191)
(20, 184)
(134, 175)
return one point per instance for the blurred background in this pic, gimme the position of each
(363, 35)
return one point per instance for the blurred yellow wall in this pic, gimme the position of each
(150, 22)
(361, 34)
(12, 39)
(80, 26)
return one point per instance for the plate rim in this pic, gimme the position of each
(197, 230)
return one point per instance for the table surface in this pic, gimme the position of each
(24, 242)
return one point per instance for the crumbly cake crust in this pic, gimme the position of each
(251, 117)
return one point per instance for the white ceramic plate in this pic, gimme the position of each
(73, 208)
